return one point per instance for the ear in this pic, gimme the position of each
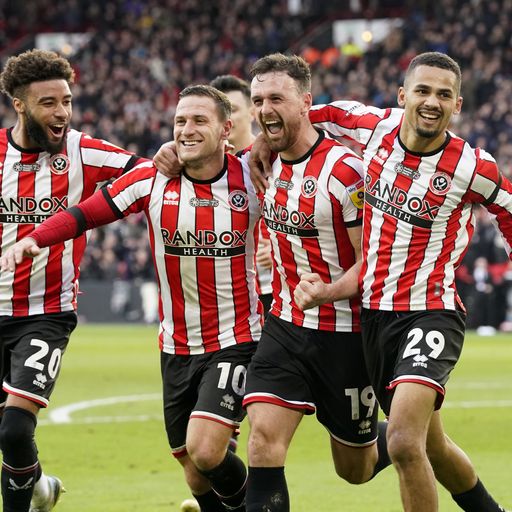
(307, 103)
(458, 105)
(18, 105)
(401, 97)
(226, 129)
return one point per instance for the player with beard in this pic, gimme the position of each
(202, 230)
(309, 361)
(421, 182)
(45, 167)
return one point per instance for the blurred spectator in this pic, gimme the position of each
(143, 52)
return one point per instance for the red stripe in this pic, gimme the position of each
(205, 274)
(388, 231)
(288, 263)
(173, 276)
(419, 240)
(274, 400)
(240, 223)
(327, 314)
(21, 284)
(448, 163)
(53, 270)
(4, 144)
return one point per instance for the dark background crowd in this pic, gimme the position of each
(140, 54)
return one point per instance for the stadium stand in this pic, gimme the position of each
(142, 53)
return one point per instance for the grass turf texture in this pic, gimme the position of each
(115, 458)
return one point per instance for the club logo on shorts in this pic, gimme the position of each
(59, 164)
(40, 381)
(309, 186)
(365, 427)
(228, 402)
(238, 200)
(440, 183)
(420, 360)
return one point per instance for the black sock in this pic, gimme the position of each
(228, 480)
(267, 490)
(20, 467)
(209, 502)
(477, 500)
(383, 461)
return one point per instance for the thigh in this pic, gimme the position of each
(276, 373)
(36, 345)
(344, 397)
(180, 381)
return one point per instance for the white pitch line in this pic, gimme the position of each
(62, 415)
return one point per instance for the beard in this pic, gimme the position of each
(38, 135)
(427, 134)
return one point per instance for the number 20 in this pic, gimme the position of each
(33, 360)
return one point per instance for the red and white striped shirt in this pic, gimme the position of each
(202, 234)
(307, 209)
(418, 217)
(33, 186)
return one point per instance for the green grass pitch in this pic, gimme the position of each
(110, 450)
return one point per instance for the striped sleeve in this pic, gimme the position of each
(494, 191)
(131, 192)
(348, 119)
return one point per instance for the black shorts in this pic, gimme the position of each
(307, 369)
(209, 386)
(411, 346)
(31, 349)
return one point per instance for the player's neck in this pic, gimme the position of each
(306, 140)
(206, 169)
(21, 137)
(418, 144)
(242, 142)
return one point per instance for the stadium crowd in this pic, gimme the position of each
(142, 53)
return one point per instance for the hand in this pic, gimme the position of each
(311, 292)
(166, 160)
(264, 253)
(259, 163)
(14, 255)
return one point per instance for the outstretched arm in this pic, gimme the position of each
(95, 211)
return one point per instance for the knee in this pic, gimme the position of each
(205, 455)
(264, 448)
(404, 448)
(17, 428)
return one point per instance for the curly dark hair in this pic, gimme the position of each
(33, 66)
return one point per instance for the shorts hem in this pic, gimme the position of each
(351, 444)
(43, 402)
(425, 381)
(232, 424)
(306, 407)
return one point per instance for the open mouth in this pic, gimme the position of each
(273, 127)
(57, 129)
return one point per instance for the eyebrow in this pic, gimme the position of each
(425, 86)
(46, 98)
